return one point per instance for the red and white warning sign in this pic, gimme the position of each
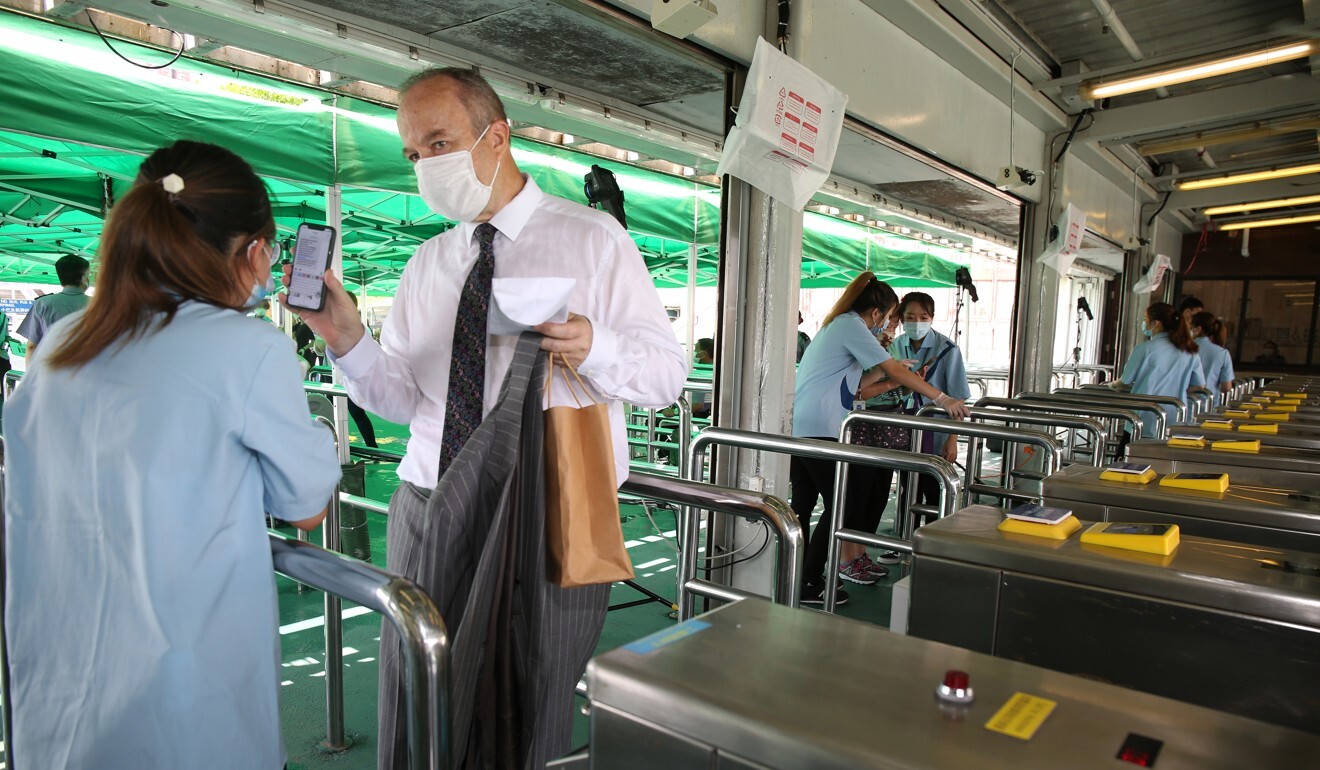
(787, 131)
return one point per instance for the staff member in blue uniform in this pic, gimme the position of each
(938, 360)
(842, 363)
(1216, 363)
(1166, 364)
(150, 436)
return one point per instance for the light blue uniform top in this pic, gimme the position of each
(829, 375)
(950, 375)
(1158, 368)
(140, 609)
(47, 311)
(1216, 363)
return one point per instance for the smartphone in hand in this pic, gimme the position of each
(311, 258)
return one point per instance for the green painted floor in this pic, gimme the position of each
(302, 642)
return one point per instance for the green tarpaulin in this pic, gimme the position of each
(76, 120)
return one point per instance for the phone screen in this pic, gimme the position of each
(311, 258)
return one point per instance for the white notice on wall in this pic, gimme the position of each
(1060, 254)
(1154, 276)
(788, 128)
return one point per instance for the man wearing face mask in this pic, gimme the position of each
(437, 369)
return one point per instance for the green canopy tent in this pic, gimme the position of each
(54, 192)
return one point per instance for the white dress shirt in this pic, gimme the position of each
(635, 355)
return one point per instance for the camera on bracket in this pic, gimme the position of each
(1016, 178)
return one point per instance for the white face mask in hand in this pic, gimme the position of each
(449, 184)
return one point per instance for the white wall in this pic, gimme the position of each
(909, 91)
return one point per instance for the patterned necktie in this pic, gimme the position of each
(467, 365)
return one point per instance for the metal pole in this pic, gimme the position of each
(335, 739)
(1073, 423)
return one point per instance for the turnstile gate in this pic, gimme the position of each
(1246, 513)
(1224, 625)
(1272, 466)
(760, 686)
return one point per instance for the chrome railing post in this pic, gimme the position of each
(335, 740)
(684, 436)
(421, 630)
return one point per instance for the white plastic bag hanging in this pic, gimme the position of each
(1154, 276)
(1061, 254)
(788, 128)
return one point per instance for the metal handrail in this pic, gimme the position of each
(1177, 403)
(918, 424)
(818, 449)
(415, 618)
(1161, 418)
(696, 495)
(6, 703)
(1202, 401)
(1134, 420)
(1099, 435)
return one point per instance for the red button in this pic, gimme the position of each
(956, 680)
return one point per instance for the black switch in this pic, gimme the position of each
(1140, 750)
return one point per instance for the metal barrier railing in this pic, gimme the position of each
(5, 702)
(1070, 423)
(1111, 414)
(819, 449)
(414, 617)
(695, 496)
(1159, 418)
(918, 425)
(1180, 405)
(1201, 401)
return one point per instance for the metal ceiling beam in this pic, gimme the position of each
(1219, 106)
(1261, 130)
(1183, 56)
(1245, 193)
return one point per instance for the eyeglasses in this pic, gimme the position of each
(276, 252)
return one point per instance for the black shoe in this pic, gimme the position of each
(814, 595)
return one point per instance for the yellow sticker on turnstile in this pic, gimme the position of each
(1250, 407)
(1021, 716)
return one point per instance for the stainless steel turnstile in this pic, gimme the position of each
(1246, 513)
(1223, 625)
(1271, 466)
(760, 686)
(1283, 438)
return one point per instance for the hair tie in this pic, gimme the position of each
(173, 184)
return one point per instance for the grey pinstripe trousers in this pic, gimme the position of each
(454, 545)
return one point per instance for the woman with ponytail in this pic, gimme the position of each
(1166, 364)
(1216, 363)
(148, 440)
(844, 365)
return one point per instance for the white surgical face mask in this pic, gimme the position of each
(916, 330)
(259, 292)
(1145, 329)
(449, 184)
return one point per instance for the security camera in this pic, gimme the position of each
(681, 18)
(1016, 178)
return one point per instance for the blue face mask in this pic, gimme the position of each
(260, 292)
(1145, 329)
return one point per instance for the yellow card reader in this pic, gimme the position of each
(1236, 445)
(1217, 424)
(1274, 416)
(1267, 428)
(1192, 441)
(1202, 482)
(1129, 473)
(1150, 538)
(1251, 407)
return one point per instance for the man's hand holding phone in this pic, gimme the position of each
(338, 322)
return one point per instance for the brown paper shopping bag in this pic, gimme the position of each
(584, 539)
